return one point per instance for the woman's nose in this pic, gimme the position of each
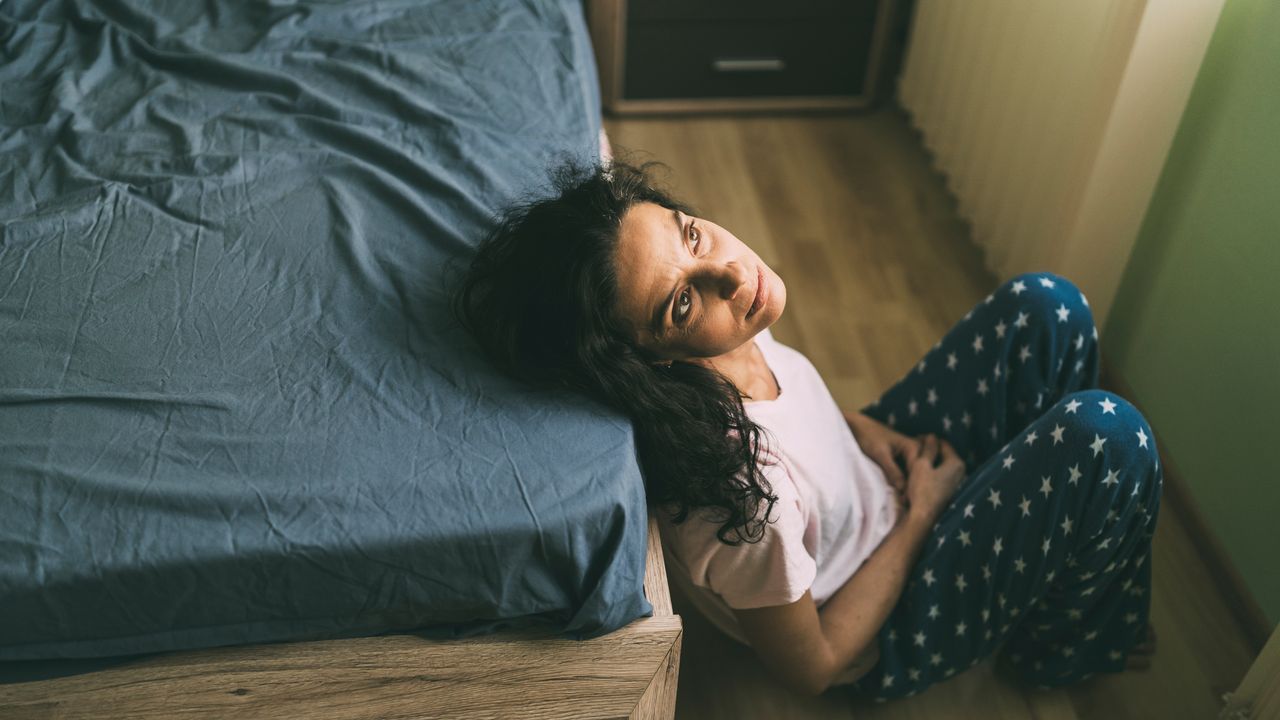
(734, 278)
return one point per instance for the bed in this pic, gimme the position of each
(238, 426)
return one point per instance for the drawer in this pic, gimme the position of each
(642, 10)
(721, 58)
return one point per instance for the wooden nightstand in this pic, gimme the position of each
(668, 56)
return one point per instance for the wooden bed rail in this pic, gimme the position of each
(630, 673)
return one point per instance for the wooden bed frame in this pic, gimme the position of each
(630, 673)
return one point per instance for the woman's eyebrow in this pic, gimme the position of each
(656, 324)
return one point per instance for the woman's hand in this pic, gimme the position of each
(882, 444)
(933, 478)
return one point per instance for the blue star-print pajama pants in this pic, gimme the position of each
(1044, 552)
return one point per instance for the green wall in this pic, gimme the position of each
(1195, 329)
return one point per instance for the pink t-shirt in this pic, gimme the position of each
(834, 506)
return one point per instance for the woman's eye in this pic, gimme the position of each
(695, 235)
(683, 303)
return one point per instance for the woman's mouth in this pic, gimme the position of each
(762, 293)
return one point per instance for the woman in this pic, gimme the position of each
(844, 547)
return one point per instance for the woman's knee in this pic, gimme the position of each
(1052, 298)
(1107, 427)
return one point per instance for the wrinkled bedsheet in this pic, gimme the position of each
(234, 407)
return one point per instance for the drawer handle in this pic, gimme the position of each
(748, 65)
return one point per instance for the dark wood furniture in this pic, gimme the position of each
(666, 56)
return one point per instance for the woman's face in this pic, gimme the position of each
(687, 286)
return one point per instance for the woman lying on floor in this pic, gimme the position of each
(886, 561)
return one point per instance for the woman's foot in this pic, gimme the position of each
(1140, 657)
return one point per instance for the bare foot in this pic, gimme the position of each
(1140, 657)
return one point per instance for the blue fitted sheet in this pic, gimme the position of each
(233, 405)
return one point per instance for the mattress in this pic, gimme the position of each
(234, 407)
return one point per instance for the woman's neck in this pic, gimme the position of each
(747, 368)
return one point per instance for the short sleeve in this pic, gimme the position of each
(777, 570)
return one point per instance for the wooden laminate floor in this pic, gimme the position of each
(878, 266)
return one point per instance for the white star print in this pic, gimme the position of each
(1066, 526)
(1063, 312)
(912, 406)
(1105, 544)
(982, 387)
(1112, 478)
(951, 361)
(941, 539)
(1087, 591)
(1095, 333)
(933, 612)
(1026, 506)
(1024, 353)
(968, 510)
(920, 367)
(1079, 341)
(994, 499)
(1131, 617)
(960, 628)
(996, 371)
(1019, 565)
(1046, 282)
(960, 583)
(928, 577)
(1142, 438)
(990, 297)
(966, 419)
(913, 673)
(1057, 433)
(920, 637)
(986, 572)
(888, 680)
(995, 431)
(892, 419)
(1107, 406)
(1091, 635)
(998, 547)
(1045, 486)
(1115, 655)
(1032, 437)
(1007, 462)
(933, 397)
(1019, 287)
(1075, 475)
(964, 538)
(935, 659)
(977, 343)
(1021, 320)
(1079, 365)
(1000, 328)
(1084, 300)
(1072, 405)
(1097, 444)
(1045, 546)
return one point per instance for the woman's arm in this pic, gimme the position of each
(808, 647)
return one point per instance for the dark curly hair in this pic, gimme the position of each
(539, 297)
